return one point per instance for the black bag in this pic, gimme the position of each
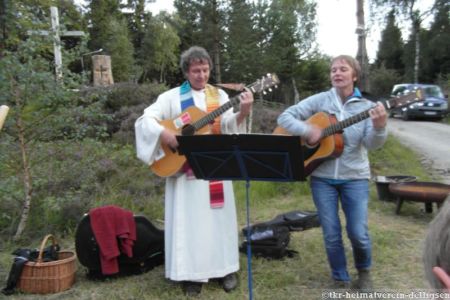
(23, 255)
(148, 249)
(296, 220)
(269, 242)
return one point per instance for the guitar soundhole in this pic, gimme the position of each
(188, 130)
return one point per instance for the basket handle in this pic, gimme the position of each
(44, 242)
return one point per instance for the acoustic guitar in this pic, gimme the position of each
(331, 144)
(193, 121)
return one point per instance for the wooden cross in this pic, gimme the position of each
(56, 33)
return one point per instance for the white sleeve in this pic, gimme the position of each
(148, 130)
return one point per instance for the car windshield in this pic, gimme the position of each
(430, 91)
(400, 90)
(433, 91)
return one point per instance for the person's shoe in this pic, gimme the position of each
(191, 288)
(341, 285)
(364, 281)
(229, 282)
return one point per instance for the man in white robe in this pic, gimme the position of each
(201, 242)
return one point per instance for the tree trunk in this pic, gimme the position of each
(417, 60)
(26, 181)
(28, 188)
(361, 56)
(216, 50)
(416, 35)
(296, 93)
(161, 74)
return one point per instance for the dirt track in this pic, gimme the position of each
(430, 139)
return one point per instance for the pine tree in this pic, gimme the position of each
(118, 45)
(292, 34)
(101, 12)
(242, 54)
(436, 53)
(390, 48)
(212, 26)
(202, 23)
(187, 22)
(409, 9)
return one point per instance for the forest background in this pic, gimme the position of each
(67, 146)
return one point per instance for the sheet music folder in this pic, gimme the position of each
(260, 157)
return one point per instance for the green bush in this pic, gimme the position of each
(132, 94)
(71, 177)
(382, 80)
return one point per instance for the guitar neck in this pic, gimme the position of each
(339, 126)
(209, 118)
(256, 87)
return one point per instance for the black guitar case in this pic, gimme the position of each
(148, 249)
(269, 242)
(296, 220)
(270, 239)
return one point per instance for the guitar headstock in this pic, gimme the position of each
(414, 96)
(265, 83)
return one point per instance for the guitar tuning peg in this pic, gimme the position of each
(264, 93)
(276, 86)
(270, 89)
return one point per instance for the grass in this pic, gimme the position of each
(397, 246)
(446, 120)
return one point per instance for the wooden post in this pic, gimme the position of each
(102, 72)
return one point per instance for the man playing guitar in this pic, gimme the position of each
(201, 234)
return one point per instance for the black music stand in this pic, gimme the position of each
(259, 157)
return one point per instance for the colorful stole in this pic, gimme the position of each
(216, 196)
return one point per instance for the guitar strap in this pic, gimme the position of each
(216, 196)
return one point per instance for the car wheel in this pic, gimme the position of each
(405, 115)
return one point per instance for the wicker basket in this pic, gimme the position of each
(48, 277)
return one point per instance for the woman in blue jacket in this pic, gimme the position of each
(344, 179)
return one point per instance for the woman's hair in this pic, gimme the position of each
(353, 63)
(194, 54)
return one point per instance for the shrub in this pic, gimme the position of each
(382, 80)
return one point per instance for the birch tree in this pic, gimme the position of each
(24, 86)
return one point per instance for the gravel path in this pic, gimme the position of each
(430, 139)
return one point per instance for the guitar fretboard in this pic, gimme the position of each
(209, 118)
(258, 86)
(339, 126)
(415, 96)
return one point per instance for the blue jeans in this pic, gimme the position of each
(354, 196)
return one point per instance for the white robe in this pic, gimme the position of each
(200, 242)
